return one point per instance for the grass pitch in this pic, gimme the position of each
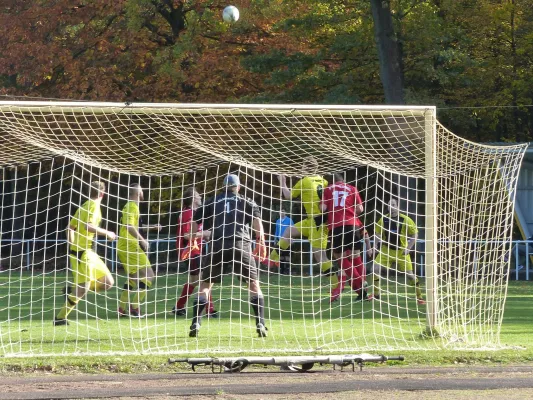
(299, 317)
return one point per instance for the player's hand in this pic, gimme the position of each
(370, 253)
(111, 236)
(206, 235)
(261, 249)
(406, 252)
(145, 245)
(158, 227)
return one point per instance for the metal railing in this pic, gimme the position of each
(520, 265)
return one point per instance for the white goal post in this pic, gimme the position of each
(432, 276)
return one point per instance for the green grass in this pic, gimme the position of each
(308, 323)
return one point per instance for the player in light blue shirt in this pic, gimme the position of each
(283, 222)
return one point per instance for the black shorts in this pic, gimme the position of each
(229, 257)
(345, 238)
(193, 264)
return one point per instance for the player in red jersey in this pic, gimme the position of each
(189, 247)
(343, 204)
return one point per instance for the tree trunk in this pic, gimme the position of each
(389, 53)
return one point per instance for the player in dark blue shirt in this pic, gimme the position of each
(231, 218)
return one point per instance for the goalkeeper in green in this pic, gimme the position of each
(131, 250)
(396, 236)
(89, 272)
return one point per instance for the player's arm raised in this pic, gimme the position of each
(285, 190)
(257, 226)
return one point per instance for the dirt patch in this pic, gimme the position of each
(435, 383)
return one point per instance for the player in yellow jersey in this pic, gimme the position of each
(396, 236)
(313, 227)
(88, 270)
(131, 250)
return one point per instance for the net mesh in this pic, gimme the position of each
(458, 196)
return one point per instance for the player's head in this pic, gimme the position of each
(136, 192)
(97, 190)
(309, 166)
(232, 182)
(282, 213)
(338, 177)
(191, 198)
(394, 207)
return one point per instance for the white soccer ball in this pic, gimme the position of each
(230, 14)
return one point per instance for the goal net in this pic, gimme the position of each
(421, 266)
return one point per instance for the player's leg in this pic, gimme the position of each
(210, 273)
(285, 262)
(405, 265)
(104, 282)
(193, 280)
(82, 280)
(336, 244)
(381, 261)
(211, 311)
(342, 276)
(291, 233)
(200, 303)
(358, 276)
(140, 275)
(144, 278)
(353, 245)
(246, 268)
(73, 298)
(129, 286)
(318, 238)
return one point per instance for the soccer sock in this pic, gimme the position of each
(283, 244)
(357, 274)
(345, 275)
(416, 284)
(125, 295)
(199, 304)
(70, 304)
(144, 285)
(210, 305)
(258, 304)
(326, 270)
(284, 264)
(187, 290)
(342, 281)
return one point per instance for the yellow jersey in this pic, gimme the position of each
(130, 216)
(309, 189)
(395, 232)
(88, 213)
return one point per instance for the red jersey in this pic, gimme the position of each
(184, 227)
(341, 200)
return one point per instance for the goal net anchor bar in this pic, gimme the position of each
(291, 363)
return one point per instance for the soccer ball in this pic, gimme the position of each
(230, 14)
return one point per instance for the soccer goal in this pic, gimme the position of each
(420, 263)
